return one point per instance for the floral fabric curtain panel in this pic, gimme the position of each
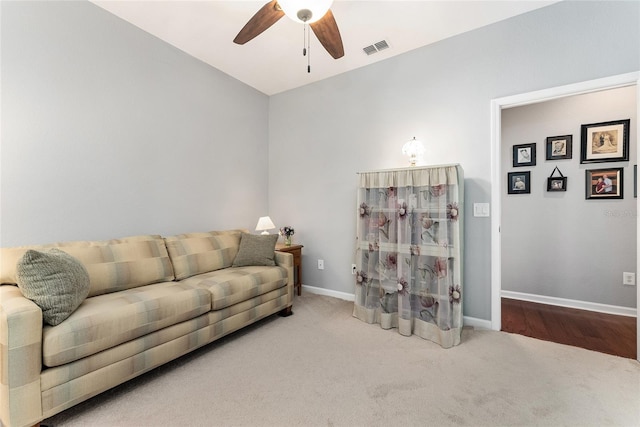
(409, 251)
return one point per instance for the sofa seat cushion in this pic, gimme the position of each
(108, 320)
(236, 284)
(53, 377)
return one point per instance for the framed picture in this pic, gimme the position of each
(557, 184)
(604, 183)
(605, 142)
(559, 147)
(519, 182)
(524, 155)
(635, 181)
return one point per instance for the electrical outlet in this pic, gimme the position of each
(628, 279)
(353, 269)
(320, 264)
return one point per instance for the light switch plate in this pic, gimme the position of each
(628, 279)
(481, 209)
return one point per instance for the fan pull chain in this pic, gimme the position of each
(306, 48)
(309, 55)
(304, 40)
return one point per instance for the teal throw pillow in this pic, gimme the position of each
(54, 280)
(256, 250)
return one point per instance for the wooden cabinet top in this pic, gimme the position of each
(283, 248)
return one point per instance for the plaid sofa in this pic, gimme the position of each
(151, 300)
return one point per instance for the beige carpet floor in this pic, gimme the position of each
(322, 367)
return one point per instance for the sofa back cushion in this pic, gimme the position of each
(113, 265)
(197, 253)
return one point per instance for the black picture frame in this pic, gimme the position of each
(559, 147)
(605, 142)
(595, 190)
(524, 155)
(635, 181)
(557, 183)
(519, 182)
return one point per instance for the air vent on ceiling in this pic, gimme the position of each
(376, 47)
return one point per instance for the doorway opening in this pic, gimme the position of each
(499, 173)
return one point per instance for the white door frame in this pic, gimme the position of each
(497, 181)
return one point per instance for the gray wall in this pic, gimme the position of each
(108, 132)
(558, 244)
(320, 135)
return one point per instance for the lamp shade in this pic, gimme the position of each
(414, 149)
(305, 11)
(264, 224)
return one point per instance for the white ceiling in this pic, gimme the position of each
(273, 61)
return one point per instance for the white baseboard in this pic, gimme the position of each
(468, 321)
(477, 323)
(329, 293)
(570, 303)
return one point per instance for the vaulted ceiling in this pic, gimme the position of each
(273, 61)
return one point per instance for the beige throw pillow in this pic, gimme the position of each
(54, 280)
(256, 250)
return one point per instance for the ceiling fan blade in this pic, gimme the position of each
(326, 30)
(268, 15)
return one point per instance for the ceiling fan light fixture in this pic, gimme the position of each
(305, 11)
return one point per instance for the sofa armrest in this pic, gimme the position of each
(20, 358)
(285, 259)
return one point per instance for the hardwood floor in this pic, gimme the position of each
(601, 332)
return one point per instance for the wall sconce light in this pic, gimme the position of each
(414, 149)
(265, 224)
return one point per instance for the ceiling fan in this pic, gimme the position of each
(316, 13)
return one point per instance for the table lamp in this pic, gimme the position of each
(265, 224)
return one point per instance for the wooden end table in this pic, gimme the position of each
(296, 251)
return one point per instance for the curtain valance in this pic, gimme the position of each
(419, 177)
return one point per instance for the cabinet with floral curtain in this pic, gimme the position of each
(409, 251)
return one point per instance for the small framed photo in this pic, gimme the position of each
(557, 183)
(519, 182)
(604, 183)
(605, 142)
(559, 147)
(524, 155)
